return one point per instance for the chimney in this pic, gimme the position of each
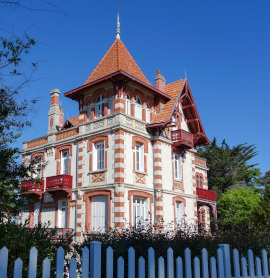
(56, 115)
(160, 82)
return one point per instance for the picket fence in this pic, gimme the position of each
(179, 268)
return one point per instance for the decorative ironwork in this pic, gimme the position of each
(61, 181)
(206, 194)
(33, 186)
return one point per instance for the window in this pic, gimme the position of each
(138, 108)
(37, 167)
(64, 163)
(111, 104)
(147, 113)
(62, 213)
(99, 213)
(179, 215)
(127, 104)
(36, 213)
(174, 122)
(89, 112)
(139, 211)
(98, 156)
(99, 111)
(139, 157)
(177, 168)
(201, 181)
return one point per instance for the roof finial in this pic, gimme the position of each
(118, 22)
(185, 73)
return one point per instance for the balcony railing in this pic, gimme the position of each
(182, 137)
(206, 194)
(61, 181)
(32, 186)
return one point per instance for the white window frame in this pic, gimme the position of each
(64, 159)
(99, 224)
(110, 104)
(179, 215)
(139, 157)
(98, 156)
(62, 204)
(177, 166)
(128, 104)
(140, 211)
(147, 113)
(99, 108)
(37, 167)
(138, 108)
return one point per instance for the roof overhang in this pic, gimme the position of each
(118, 75)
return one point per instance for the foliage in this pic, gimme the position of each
(237, 205)
(19, 239)
(229, 167)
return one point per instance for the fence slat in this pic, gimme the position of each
(196, 263)
(264, 264)
(85, 262)
(251, 264)
(32, 267)
(220, 263)
(170, 265)
(179, 267)
(226, 259)
(236, 263)
(141, 268)
(205, 270)
(161, 268)
(72, 268)
(95, 259)
(151, 263)
(3, 262)
(131, 263)
(60, 255)
(109, 262)
(18, 268)
(188, 271)
(120, 268)
(244, 267)
(258, 267)
(213, 267)
(46, 268)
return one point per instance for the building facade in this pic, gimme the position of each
(127, 159)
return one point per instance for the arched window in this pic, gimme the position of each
(127, 104)
(138, 108)
(89, 112)
(111, 104)
(99, 107)
(147, 113)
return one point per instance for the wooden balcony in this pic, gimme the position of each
(32, 187)
(60, 182)
(206, 194)
(182, 138)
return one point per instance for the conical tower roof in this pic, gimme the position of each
(117, 58)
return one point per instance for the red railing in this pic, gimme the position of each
(32, 186)
(206, 194)
(182, 136)
(61, 181)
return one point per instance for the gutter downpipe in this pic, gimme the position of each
(76, 192)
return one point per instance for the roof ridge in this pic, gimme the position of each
(175, 81)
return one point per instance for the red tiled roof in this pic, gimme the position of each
(117, 58)
(74, 120)
(173, 90)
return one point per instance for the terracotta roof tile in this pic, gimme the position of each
(117, 58)
(173, 90)
(74, 120)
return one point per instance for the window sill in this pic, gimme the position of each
(140, 172)
(98, 171)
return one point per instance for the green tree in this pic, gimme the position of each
(236, 206)
(230, 166)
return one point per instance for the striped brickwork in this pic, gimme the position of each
(194, 183)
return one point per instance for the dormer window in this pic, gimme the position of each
(127, 104)
(99, 111)
(138, 108)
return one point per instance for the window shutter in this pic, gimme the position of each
(99, 213)
(142, 158)
(94, 162)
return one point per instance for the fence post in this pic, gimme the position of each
(3, 262)
(32, 267)
(225, 248)
(95, 259)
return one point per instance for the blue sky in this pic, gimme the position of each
(224, 46)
